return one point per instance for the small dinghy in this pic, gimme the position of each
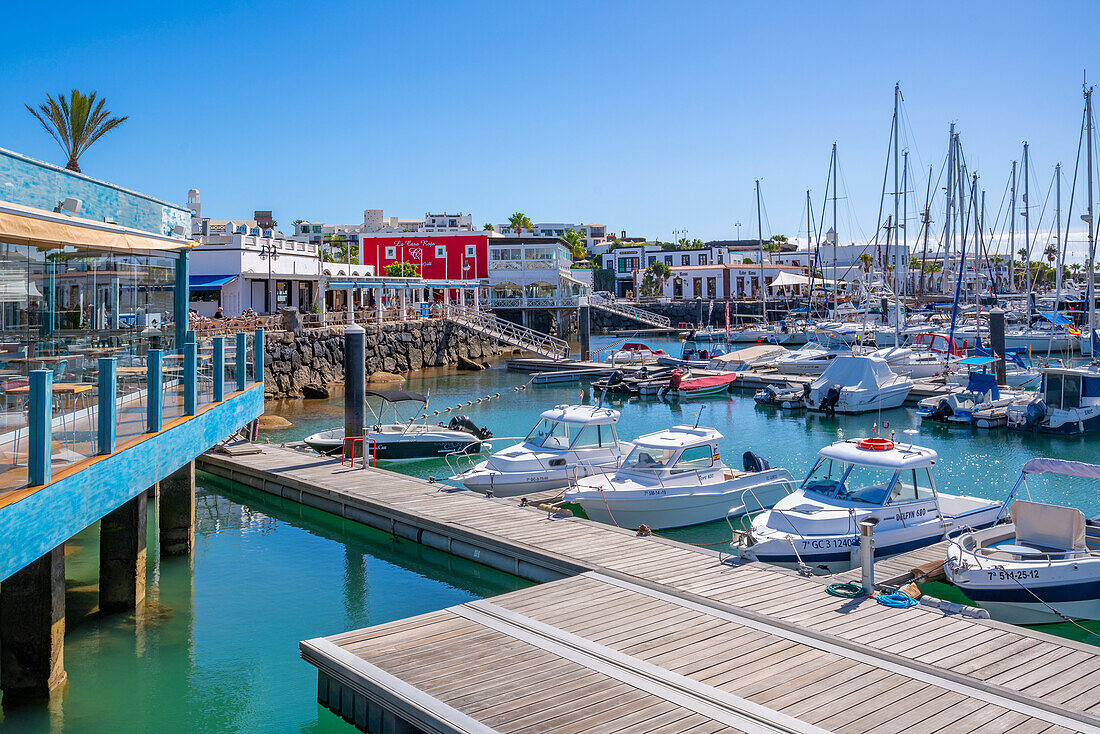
(788, 397)
(981, 395)
(817, 526)
(675, 478)
(403, 440)
(698, 387)
(1043, 566)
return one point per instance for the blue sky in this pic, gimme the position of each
(647, 117)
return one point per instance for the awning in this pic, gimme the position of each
(787, 279)
(208, 282)
(340, 285)
(24, 225)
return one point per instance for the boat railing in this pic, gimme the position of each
(465, 461)
(347, 451)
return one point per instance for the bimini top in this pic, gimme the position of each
(1062, 466)
(587, 414)
(897, 456)
(678, 437)
(397, 396)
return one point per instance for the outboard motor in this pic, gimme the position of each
(464, 424)
(832, 397)
(616, 378)
(674, 381)
(943, 411)
(753, 463)
(1036, 412)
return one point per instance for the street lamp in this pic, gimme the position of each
(465, 270)
(269, 252)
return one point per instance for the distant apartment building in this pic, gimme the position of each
(595, 235)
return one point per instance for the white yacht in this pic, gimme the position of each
(1068, 402)
(1041, 567)
(569, 442)
(675, 478)
(858, 384)
(915, 363)
(810, 359)
(817, 526)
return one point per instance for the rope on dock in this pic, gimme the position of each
(845, 590)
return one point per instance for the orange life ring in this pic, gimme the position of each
(875, 444)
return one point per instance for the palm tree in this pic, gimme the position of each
(519, 222)
(576, 241)
(75, 123)
(1050, 253)
(487, 228)
(866, 261)
(1075, 267)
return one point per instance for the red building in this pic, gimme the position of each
(438, 256)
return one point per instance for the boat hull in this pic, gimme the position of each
(392, 448)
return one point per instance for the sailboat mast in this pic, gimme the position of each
(1027, 237)
(836, 235)
(1092, 250)
(903, 256)
(1058, 245)
(760, 238)
(949, 225)
(897, 203)
(927, 223)
(1012, 235)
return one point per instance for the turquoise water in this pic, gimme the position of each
(216, 647)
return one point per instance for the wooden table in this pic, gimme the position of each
(59, 388)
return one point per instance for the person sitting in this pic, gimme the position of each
(219, 314)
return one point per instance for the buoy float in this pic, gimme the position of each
(875, 444)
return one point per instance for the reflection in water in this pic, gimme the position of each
(215, 646)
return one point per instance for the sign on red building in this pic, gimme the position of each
(439, 257)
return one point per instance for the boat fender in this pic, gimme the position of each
(643, 530)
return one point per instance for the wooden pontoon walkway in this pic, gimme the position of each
(645, 634)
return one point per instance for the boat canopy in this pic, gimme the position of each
(589, 414)
(1059, 320)
(898, 457)
(678, 437)
(1048, 526)
(976, 361)
(1062, 466)
(398, 396)
(858, 372)
(750, 355)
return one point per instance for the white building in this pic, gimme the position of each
(595, 235)
(532, 272)
(376, 224)
(714, 281)
(625, 260)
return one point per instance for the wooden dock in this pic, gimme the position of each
(645, 634)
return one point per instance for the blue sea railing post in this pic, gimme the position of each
(219, 369)
(258, 356)
(39, 449)
(355, 386)
(190, 378)
(108, 407)
(241, 368)
(154, 385)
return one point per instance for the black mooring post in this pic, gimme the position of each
(355, 385)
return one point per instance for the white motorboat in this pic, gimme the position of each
(817, 526)
(569, 442)
(809, 359)
(788, 397)
(1042, 567)
(636, 353)
(981, 394)
(858, 384)
(914, 363)
(675, 478)
(747, 358)
(403, 440)
(1068, 402)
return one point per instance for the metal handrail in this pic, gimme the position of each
(637, 314)
(505, 331)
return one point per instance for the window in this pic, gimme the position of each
(470, 251)
(694, 459)
(629, 264)
(652, 259)
(550, 435)
(316, 229)
(915, 484)
(593, 437)
(719, 260)
(668, 260)
(391, 252)
(685, 259)
(452, 223)
(697, 287)
(504, 253)
(647, 457)
(702, 259)
(1071, 392)
(712, 287)
(441, 251)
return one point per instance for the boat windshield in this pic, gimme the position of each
(646, 458)
(850, 482)
(549, 434)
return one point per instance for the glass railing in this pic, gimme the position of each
(53, 414)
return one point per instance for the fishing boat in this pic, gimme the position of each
(636, 353)
(404, 439)
(568, 442)
(698, 387)
(816, 527)
(980, 395)
(858, 384)
(676, 478)
(1068, 402)
(1043, 566)
(788, 397)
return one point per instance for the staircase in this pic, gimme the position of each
(630, 312)
(489, 325)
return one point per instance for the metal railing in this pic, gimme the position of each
(489, 325)
(630, 312)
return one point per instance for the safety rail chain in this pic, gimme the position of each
(631, 312)
(489, 325)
